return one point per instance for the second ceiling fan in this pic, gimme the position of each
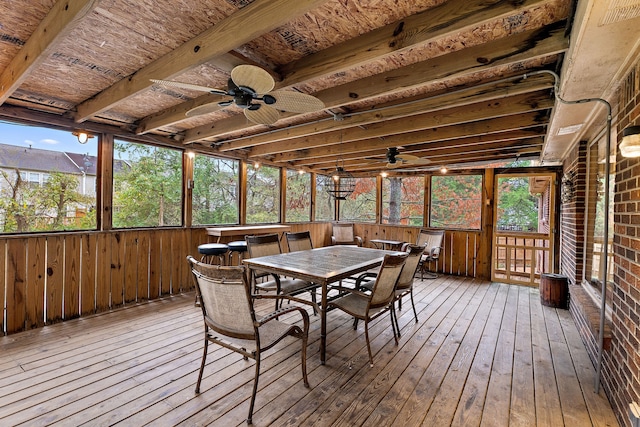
(251, 90)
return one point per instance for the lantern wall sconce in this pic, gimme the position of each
(630, 145)
(568, 189)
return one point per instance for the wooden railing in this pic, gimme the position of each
(54, 277)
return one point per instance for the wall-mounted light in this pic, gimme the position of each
(444, 169)
(630, 145)
(301, 172)
(256, 165)
(384, 174)
(191, 154)
(82, 136)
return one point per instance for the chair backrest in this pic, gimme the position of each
(300, 241)
(383, 290)
(225, 299)
(266, 244)
(432, 241)
(405, 281)
(343, 233)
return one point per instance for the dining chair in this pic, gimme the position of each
(269, 244)
(230, 319)
(368, 306)
(432, 241)
(300, 241)
(344, 234)
(404, 287)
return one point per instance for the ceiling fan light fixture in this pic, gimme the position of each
(630, 144)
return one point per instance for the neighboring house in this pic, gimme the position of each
(36, 166)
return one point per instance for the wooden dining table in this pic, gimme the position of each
(322, 266)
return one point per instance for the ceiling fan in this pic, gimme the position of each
(395, 159)
(251, 89)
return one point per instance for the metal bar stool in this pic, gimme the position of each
(239, 247)
(211, 252)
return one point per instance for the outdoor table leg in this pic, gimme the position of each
(323, 324)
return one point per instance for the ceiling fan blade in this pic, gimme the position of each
(296, 102)
(265, 115)
(212, 107)
(254, 77)
(168, 83)
(406, 157)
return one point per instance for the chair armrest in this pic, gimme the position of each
(358, 240)
(351, 291)
(284, 310)
(286, 298)
(333, 240)
(363, 276)
(435, 252)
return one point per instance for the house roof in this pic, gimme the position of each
(450, 81)
(34, 159)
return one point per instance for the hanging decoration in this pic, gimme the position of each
(340, 184)
(568, 189)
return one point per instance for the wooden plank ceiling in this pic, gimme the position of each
(456, 82)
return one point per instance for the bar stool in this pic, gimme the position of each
(238, 247)
(211, 251)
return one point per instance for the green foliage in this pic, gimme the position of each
(263, 195)
(30, 207)
(215, 194)
(149, 192)
(325, 204)
(517, 208)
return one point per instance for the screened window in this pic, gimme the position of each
(298, 196)
(403, 200)
(263, 195)
(518, 209)
(361, 204)
(595, 218)
(47, 180)
(456, 201)
(215, 190)
(147, 186)
(325, 205)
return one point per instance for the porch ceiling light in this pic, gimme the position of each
(341, 184)
(82, 136)
(630, 145)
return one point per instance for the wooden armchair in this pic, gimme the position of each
(230, 319)
(344, 234)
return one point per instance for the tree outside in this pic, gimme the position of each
(298, 200)
(361, 204)
(263, 195)
(517, 208)
(215, 192)
(456, 201)
(403, 200)
(147, 193)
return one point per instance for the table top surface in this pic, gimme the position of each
(388, 242)
(322, 265)
(240, 230)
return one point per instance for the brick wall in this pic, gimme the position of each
(572, 216)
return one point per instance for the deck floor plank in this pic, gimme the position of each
(481, 353)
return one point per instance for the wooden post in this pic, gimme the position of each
(104, 182)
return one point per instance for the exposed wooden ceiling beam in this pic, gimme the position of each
(59, 22)
(255, 19)
(443, 100)
(509, 139)
(430, 120)
(549, 40)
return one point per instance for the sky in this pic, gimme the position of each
(45, 139)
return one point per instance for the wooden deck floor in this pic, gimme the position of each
(482, 354)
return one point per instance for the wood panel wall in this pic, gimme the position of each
(50, 278)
